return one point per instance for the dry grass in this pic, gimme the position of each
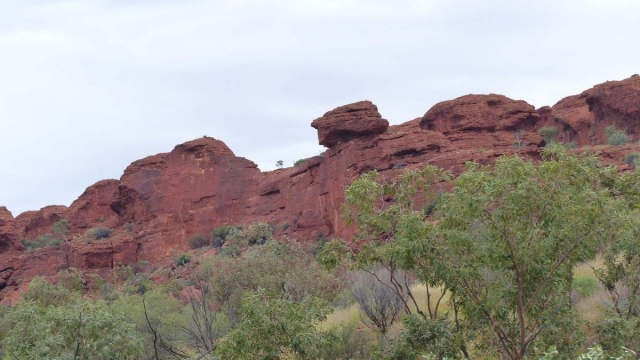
(585, 269)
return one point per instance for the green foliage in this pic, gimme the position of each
(620, 276)
(549, 133)
(300, 161)
(257, 234)
(585, 285)
(349, 342)
(183, 259)
(61, 229)
(422, 335)
(101, 233)
(122, 273)
(279, 268)
(165, 315)
(72, 279)
(273, 326)
(43, 293)
(41, 241)
(504, 244)
(515, 233)
(238, 238)
(220, 234)
(570, 145)
(79, 329)
(616, 137)
(432, 205)
(279, 164)
(632, 159)
(198, 241)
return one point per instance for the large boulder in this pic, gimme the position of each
(349, 122)
(480, 113)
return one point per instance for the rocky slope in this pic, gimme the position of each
(201, 184)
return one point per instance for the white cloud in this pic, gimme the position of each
(89, 86)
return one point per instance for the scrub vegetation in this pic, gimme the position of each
(520, 260)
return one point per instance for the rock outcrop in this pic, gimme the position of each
(163, 200)
(349, 122)
(582, 118)
(8, 234)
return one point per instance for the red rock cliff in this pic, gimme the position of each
(201, 184)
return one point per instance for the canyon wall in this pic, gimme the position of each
(163, 200)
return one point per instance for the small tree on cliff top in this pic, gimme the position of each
(61, 229)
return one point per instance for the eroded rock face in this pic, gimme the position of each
(348, 122)
(8, 235)
(31, 224)
(480, 113)
(582, 118)
(201, 185)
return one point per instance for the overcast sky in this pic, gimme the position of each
(87, 87)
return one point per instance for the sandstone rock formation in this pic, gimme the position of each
(163, 200)
(349, 122)
(582, 118)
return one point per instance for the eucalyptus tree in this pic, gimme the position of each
(503, 243)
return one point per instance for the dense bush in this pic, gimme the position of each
(72, 279)
(183, 259)
(219, 235)
(258, 234)
(616, 137)
(41, 242)
(199, 241)
(238, 238)
(632, 159)
(549, 133)
(101, 233)
(65, 327)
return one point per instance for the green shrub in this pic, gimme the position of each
(632, 159)
(284, 226)
(300, 161)
(43, 292)
(549, 133)
(319, 244)
(183, 259)
(124, 272)
(40, 242)
(199, 241)
(432, 205)
(101, 233)
(616, 137)
(570, 145)
(257, 234)
(72, 279)
(231, 251)
(219, 235)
